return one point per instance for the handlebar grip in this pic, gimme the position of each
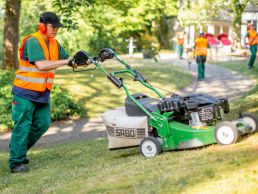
(70, 63)
(117, 82)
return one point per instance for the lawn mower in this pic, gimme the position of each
(166, 123)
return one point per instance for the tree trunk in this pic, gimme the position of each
(237, 9)
(163, 32)
(11, 34)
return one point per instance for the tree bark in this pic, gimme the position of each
(11, 34)
(237, 9)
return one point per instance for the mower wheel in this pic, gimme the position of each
(150, 147)
(252, 120)
(226, 133)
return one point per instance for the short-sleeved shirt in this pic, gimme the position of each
(33, 52)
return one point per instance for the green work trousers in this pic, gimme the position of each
(180, 49)
(253, 49)
(200, 60)
(31, 121)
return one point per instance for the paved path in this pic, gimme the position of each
(219, 82)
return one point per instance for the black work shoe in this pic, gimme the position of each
(250, 67)
(26, 160)
(20, 168)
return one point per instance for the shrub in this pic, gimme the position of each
(150, 46)
(63, 106)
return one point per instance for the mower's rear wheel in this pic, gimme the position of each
(150, 147)
(251, 120)
(226, 133)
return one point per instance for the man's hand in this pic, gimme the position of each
(71, 63)
(81, 58)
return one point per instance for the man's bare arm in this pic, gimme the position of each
(46, 65)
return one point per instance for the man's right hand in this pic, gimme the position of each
(71, 63)
(81, 58)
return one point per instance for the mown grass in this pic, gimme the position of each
(98, 94)
(248, 102)
(88, 167)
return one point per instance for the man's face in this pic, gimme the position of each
(51, 30)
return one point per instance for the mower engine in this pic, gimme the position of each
(202, 109)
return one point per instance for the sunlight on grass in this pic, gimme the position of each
(98, 94)
(248, 102)
(88, 167)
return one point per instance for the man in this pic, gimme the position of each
(200, 53)
(252, 41)
(180, 45)
(40, 55)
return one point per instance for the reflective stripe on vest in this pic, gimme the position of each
(253, 37)
(29, 76)
(35, 80)
(201, 46)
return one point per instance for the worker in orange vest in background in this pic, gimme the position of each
(252, 41)
(200, 53)
(179, 40)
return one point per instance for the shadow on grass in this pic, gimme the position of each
(88, 166)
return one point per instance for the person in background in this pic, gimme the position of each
(180, 45)
(200, 53)
(40, 55)
(252, 41)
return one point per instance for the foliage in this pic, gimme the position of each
(6, 78)
(64, 106)
(150, 47)
(62, 103)
(110, 23)
(88, 167)
(94, 24)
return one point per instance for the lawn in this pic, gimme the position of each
(248, 102)
(98, 94)
(88, 167)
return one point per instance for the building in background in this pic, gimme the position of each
(222, 24)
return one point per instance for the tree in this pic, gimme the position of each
(11, 37)
(238, 7)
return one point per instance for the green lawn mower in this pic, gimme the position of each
(166, 123)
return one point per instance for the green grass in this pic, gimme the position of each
(248, 102)
(98, 94)
(88, 167)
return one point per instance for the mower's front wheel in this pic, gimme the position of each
(226, 133)
(251, 120)
(150, 147)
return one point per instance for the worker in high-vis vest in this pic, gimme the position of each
(40, 54)
(252, 41)
(180, 45)
(200, 53)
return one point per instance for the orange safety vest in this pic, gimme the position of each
(28, 76)
(201, 46)
(253, 37)
(180, 41)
